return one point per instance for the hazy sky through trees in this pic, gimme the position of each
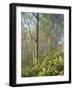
(50, 33)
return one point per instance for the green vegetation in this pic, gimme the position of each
(51, 65)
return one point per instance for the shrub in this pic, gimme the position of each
(50, 65)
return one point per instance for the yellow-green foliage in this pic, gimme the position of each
(50, 65)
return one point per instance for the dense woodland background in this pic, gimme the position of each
(42, 44)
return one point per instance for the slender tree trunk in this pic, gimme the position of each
(32, 46)
(37, 36)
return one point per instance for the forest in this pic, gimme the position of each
(42, 44)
